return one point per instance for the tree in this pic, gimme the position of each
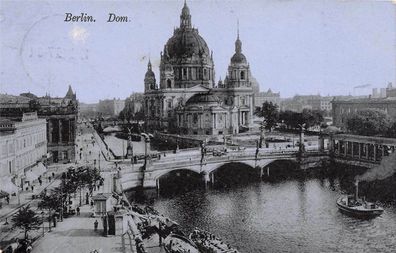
(26, 219)
(269, 112)
(51, 203)
(291, 119)
(312, 117)
(368, 122)
(392, 130)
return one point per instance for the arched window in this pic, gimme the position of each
(168, 83)
(242, 75)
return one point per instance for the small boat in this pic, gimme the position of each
(359, 208)
(207, 242)
(175, 243)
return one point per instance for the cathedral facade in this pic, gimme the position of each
(188, 100)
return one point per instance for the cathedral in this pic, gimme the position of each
(187, 100)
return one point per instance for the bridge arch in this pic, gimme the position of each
(212, 169)
(160, 173)
(289, 162)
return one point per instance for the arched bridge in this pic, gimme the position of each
(136, 175)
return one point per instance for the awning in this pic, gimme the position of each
(35, 172)
(7, 185)
(40, 169)
(31, 176)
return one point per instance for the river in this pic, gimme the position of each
(292, 214)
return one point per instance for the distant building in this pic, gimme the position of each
(110, 107)
(342, 107)
(23, 144)
(267, 96)
(60, 115)
(135, 102)
(312, 102)
(85, 109)
(390, 91)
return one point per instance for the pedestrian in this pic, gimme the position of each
(78, 211)
(40, 181)
(32, 187)
(8, 199)
(53, 174)
(49, 179)
(96, 225)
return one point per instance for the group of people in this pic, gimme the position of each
(209, 242)
(20, 246)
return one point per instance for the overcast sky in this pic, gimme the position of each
(293, 47)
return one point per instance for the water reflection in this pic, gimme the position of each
(297, 214)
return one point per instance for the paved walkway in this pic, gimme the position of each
(77, 234)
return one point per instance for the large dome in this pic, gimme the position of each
(186, 43)
(203, 98)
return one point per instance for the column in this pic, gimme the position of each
(321, 143)
(70, 132)
(339, 148)
(345, 148)
(360, 150)
(60, 131)
(375, 152)
(352, 147)
(49, 131)
(367, 150)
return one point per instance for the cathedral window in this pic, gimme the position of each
(242, 75)
(195, 118)
(200, 74)
(189, 73)
(184, 73)
(169, 104)
(205, 73)
(169, 83)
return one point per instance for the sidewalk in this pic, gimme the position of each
(76, 234)
(25, 197)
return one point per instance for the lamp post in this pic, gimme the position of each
(146, 140)
(301, 147)
(42, 218)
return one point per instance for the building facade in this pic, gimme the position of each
(341, 108)
(23, 144)
(187, 100)
(267, 96)
(59, 113)
(110, 107)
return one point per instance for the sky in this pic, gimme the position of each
(293, 46)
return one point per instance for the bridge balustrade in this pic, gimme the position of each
(363, 148)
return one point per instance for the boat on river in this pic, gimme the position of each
(175, 243)
(358, 207)
(209, 243)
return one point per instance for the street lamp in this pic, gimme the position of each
(42, 218)
(146, 140)
(301, 147)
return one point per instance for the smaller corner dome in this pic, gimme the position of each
(203, 98)
(238, 58)
(149, 74)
